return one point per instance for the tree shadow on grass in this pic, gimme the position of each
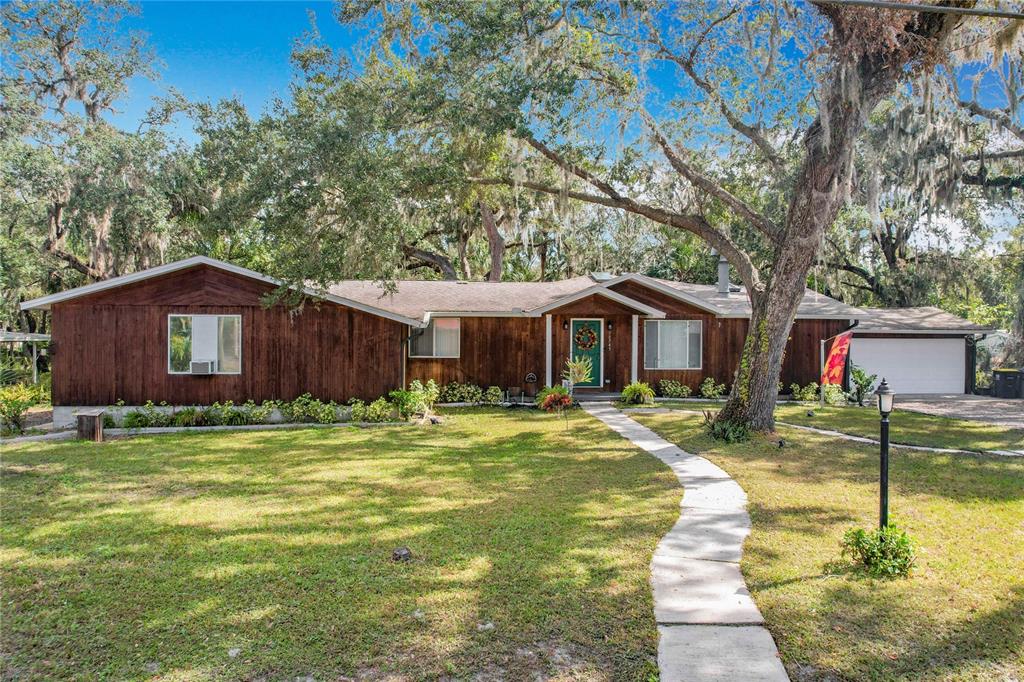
(811, 458)
(983, 646)
(170, 553)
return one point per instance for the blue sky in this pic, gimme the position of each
(215, 50)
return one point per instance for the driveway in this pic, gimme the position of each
(1001, 411)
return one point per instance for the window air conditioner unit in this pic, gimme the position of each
(203, 367)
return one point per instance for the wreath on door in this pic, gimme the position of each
(585, 338)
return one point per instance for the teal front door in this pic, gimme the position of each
(586, 342)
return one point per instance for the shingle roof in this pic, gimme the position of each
(917, 320)
(414, 298)
(737, 304)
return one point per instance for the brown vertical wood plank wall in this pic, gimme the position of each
(723, 339)
(494, 351)
(113, 345)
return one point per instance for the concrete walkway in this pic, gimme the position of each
(709, 628)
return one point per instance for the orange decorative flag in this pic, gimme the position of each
(836, 361)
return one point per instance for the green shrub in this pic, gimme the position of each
(357, 410)
(418, 399)
(258, 414)
(225, 414)
(148, 416)
(108, 421)
(834, 394)
(9, 375)
(884, 552)
(982, 380)
(725, 430)
(455, 392)
(306, 409)
(380, 410)
(638, 393)
(135, 419)
(190, 416)
(404, 401)
(15, 402)
(710, 389)
(493, 395)
(428, 393)
(669, 388)
(808, 393)
(863, 383)
(548, 390)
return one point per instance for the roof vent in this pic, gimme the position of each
(601, 276)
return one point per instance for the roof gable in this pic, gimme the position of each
(414, 302)
(161, 271)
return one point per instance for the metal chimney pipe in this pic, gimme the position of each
(723, 275)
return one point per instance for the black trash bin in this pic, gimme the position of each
(1008, 383)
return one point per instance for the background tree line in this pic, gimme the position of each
(539, 142)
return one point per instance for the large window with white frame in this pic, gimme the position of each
(440, 339)
(672, 344)
(204, 338)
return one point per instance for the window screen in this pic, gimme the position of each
(672, 344)
(439, 340)
(193, 338)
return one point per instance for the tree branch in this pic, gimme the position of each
(994, 156)
(752, 133)
(433, 260)
(1001, 117)
(698, 179)
(693, 223)
(982, 179)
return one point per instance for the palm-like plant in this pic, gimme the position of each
(578, 371)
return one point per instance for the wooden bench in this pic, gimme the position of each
(90, 425)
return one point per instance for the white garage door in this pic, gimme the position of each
(913, 365)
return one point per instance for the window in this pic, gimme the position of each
(439, 340)
(198, 338)
(672, 344)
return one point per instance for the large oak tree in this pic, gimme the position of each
(751, 111)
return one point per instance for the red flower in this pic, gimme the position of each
(556, 401)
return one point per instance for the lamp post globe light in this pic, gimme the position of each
(886, 398)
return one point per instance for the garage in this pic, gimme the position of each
(917, 350)
(914, 365)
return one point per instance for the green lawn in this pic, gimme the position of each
(163, 554)
(911, 428)
(960, 616)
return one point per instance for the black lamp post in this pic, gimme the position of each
(886, 397)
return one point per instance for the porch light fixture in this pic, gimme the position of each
(565, 326)
(886, 398)
(609, 326)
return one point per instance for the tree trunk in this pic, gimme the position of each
(817, 198)
(495, 243)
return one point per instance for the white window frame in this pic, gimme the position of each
(700, 365)
(190, 315)
(433, 328)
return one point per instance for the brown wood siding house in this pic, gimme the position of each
(112, 340)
